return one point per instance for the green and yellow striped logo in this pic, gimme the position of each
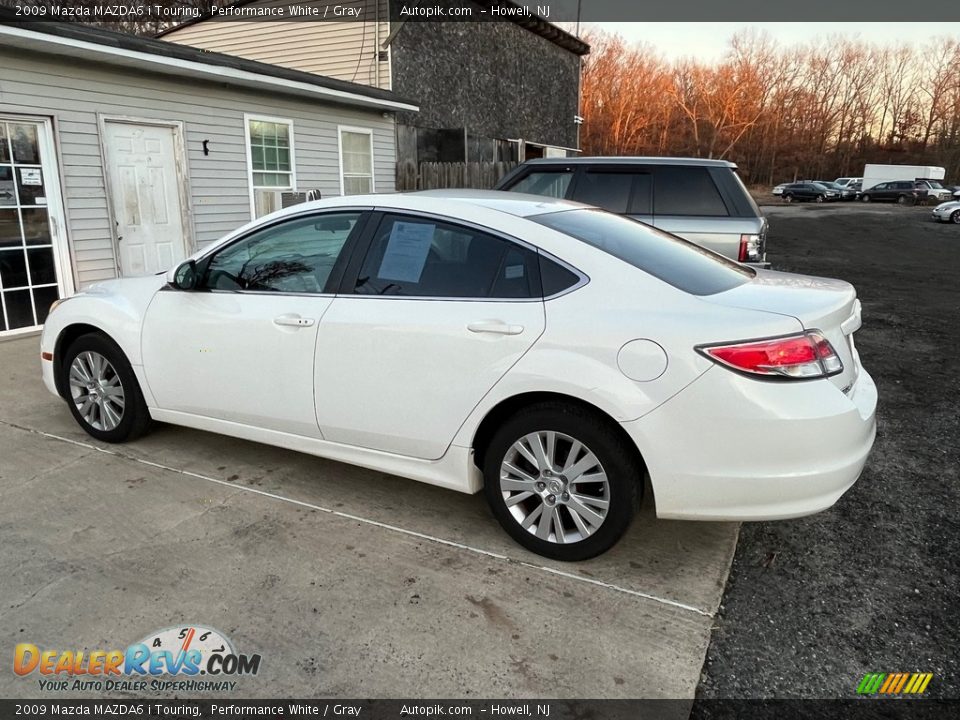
(894, 683)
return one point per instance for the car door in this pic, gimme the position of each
(241, 346)
(431, 314)
(879, 192)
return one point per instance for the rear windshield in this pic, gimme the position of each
(674, 260)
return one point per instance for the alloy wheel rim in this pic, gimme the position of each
(97, 391)
(555, 487)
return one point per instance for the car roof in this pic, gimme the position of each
(511, 203)
(631, 160)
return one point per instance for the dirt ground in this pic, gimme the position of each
(872, 585)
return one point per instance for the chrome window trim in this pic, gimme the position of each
(583, 279)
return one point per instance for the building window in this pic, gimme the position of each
(270, 145)
(356, 161)
(271, 165)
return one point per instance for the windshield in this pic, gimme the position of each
(674, 260)
(935, 185)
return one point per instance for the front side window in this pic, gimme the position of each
(419, 257)
(271, 153)
(674, 260)
(294, 256)
(356, 161)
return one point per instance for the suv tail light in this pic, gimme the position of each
(798, 357)
(750, 249)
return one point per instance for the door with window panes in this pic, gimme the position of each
(29, 224)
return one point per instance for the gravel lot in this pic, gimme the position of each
(871, 585)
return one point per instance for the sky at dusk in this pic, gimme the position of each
(709, 40)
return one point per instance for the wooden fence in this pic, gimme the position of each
(435, 175)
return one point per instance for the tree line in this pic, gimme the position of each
(819, 110)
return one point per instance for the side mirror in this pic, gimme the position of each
(185, 276)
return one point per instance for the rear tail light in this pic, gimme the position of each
(750, 249)
(798, 357)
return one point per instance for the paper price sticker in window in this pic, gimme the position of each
(406, 253)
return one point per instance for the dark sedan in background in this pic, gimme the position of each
(904, 192)
(809, 191)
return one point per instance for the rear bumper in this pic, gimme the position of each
(734, 448)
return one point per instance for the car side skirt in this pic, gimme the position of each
(454, 471)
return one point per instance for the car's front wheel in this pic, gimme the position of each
(102, 391)
(561, 481)
(820, 198)
(788, 198)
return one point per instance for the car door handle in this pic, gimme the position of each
(496, 327)
(293, 321)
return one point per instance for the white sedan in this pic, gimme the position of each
(552, 354)
(947, 212)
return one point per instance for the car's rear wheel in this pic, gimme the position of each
(902, 200)
(955, 217)
(102, 391)
(865, 198)
(561, 481)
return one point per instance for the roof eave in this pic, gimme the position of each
(82, 49)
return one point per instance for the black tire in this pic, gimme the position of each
(820, 198)
(955, 217)
(788, 198)
(617, 459)
(134, 419)
(902, 200)
(865, 198)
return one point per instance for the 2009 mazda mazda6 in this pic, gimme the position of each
(551, 353)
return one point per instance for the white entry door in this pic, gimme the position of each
(145, 190)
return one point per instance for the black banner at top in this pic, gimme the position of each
(556, 11)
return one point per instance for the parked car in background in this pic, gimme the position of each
(778, 189)
(848, 181)
(947, 212)
(874, 175)
(844, 192)
(703, 201)
(809, 192)
(904, 192)
(570, 356)
(934, 190)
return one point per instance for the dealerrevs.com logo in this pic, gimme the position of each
(192, 658)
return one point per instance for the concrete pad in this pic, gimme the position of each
(103, 549)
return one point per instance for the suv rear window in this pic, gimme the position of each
(684, 190)
(674, 260)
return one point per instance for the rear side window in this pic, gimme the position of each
(685, 190)
(674, 260)
(618, 192)
(550, 183)
(420, 257)
(555, 278)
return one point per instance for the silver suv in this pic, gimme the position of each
(703, 201)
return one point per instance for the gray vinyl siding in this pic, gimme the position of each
(73, 93)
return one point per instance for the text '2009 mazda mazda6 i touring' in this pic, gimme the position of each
(553, 354)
